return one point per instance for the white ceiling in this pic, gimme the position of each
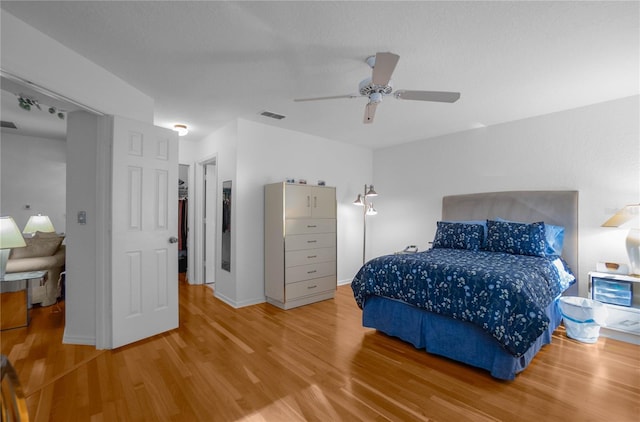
(206, 63)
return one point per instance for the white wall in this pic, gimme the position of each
(34, 56)
(80, 293)
(594, 149)
(253, 154)
(223, 145)
(33, 172)
(267, 154)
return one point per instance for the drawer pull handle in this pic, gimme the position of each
(309, 226)
(312, 256)
(311, 241)
(312, 271)
(312, 287)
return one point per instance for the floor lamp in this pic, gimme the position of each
(363, 201)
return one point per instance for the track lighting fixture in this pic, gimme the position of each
(26, 103)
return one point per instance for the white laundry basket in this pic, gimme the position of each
(583, 318)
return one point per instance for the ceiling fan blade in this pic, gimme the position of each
(383, 68)
(370, 112)
(438, 96)
(333, 97)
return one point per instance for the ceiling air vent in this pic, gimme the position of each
(9, 125)
(272, 115)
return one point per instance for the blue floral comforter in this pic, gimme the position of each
(504, 294)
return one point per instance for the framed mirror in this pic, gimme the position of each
(226, 226)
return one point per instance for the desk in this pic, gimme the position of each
(15, 298)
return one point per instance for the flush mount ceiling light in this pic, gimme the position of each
(181, 129)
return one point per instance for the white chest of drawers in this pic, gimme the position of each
(300, 244)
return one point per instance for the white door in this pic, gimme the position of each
(144, 249)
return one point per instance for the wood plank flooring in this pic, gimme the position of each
(314, 363)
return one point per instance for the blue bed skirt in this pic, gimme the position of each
(457, 340)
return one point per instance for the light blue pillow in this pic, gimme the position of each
(516, 238)
(554, 237)
(458, 236)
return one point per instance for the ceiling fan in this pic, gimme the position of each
(379, 85)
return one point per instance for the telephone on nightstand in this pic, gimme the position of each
(408, 249)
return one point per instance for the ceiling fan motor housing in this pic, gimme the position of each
(367, 89)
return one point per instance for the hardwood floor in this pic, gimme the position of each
(316, 363)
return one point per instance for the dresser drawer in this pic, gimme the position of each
(309, 226)
(309, 256)
(623, 319)
(309, 287)
(616, 292)
(306, 272)
(309, 241)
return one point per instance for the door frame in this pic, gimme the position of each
(199, 203)
(104, 327)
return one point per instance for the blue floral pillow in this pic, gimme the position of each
(483, 223)
(553, 235)
(516, 238)
(458, 236)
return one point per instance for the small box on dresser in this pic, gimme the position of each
(621, 295)
(299, 244)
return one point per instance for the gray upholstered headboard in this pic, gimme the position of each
(554, 207)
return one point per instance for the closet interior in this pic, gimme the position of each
(183, 228)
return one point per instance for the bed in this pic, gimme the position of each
(477, 297)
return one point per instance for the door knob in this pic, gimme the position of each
(173, 239)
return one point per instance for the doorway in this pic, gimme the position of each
(206, 219)
(183, 220)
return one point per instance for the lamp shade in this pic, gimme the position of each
(38, 223)
(628, 214)
(371, 192)
(10, 236)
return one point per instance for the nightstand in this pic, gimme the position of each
(621, 294)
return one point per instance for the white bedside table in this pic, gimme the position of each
(623, 322)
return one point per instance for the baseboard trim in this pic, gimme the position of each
(83, 340)
(343, 282)
(235, 304)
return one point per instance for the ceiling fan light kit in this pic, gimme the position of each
(379, 85)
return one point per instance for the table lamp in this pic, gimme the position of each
(629, 216)
(10, 237)
(38, 223)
